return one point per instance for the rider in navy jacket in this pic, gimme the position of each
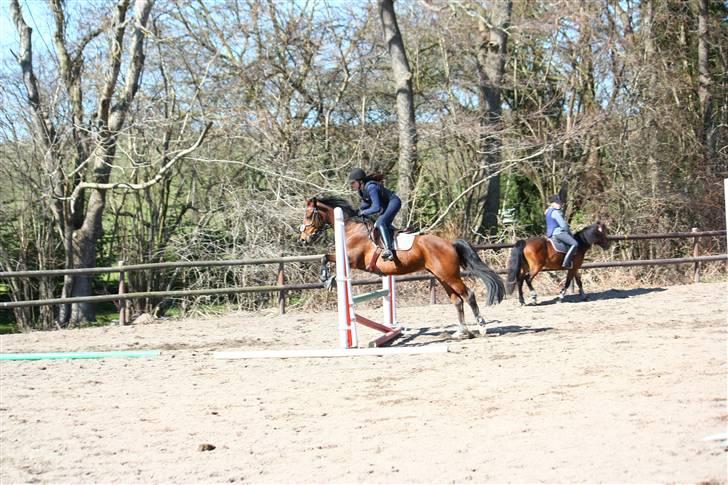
(376, 199)
(557, 228)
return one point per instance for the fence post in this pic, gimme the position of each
(433, 292)
(696, 253)
(282, 293)
(122, 303)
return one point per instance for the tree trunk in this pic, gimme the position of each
(408, 166)
(704, 81)
(86, 237)
(491, 66)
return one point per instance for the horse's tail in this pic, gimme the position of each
(470, 261)
(514, 265)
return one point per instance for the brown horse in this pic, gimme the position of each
(441, 258)
(530, 256)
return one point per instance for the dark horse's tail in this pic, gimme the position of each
(514, 265)
(470, 261)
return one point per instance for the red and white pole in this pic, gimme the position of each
(389, 301)
(345, 303)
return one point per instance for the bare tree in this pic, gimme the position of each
(77, 193)
(79, 219)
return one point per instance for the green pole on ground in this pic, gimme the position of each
(80, 355)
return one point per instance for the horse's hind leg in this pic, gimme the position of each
(456, 300)
(529, 278)
(470, 295)
(464, 292)
(519, 283)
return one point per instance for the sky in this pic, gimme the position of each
(37, 15)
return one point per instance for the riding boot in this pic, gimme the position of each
(569, 256)
(386, 233)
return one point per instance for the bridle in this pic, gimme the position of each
(318, 222)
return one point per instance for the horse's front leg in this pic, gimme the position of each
(325, 275)
(569, 277)
(582, 295)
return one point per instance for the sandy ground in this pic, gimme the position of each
(622, 388)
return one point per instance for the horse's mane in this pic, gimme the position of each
(334, 202)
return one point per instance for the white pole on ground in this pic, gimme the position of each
(285, 354)
(347, 331)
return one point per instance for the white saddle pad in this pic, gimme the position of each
(404, 241)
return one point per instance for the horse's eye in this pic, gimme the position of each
(302, 228)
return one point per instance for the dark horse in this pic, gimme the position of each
(441, 258)
(532, 255)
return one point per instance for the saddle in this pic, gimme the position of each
(403, 241)
(558, 246)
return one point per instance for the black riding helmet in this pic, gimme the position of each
(556, 198)
(357, 173)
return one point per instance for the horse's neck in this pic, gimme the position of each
(355, 230)
(581, 238)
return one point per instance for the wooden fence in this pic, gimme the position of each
(281, 288)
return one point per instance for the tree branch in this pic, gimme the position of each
(156, 179)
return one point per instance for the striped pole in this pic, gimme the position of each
(389, 301)
(347, 330)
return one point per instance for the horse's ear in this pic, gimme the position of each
(313, 201)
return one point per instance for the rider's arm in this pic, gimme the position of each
(376, 205)
(559, 218)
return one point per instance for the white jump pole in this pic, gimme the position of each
(347, 320)
(389, 301)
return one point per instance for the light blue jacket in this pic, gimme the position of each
(555, 222)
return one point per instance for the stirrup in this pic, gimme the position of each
(387, 255)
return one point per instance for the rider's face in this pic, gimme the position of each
(355, 185)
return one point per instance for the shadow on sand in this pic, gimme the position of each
(444, 334)
(611, 294)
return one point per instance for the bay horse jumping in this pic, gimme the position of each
(530, 256)
(442, 258)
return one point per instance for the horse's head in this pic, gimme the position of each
(601, 235)
(314, 222)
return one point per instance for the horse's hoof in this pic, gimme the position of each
(462, 335)
(483, 330)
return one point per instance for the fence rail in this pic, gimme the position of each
(281, 288)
